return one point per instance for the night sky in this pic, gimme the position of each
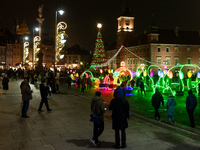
(82, 16)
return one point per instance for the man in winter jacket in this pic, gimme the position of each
(97, 107)
(157, 98)
(120, 113)
(191, 103)
(44, 93)
(26, 96)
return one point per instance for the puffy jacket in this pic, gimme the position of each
(191, 102)
(157, 98)
(97, 106)
(26, 91)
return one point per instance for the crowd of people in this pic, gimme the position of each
(119, 105)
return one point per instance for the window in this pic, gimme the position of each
(188, 60)
(136, 61)
(143, 60)
(140, 50)
(133, 60)
(168, 60)
(140, 61)
(136, 50)
(144, 50)
(188, 49)
(158, 49)
(159, 60)
(147, 49)
(127, 22)
(176, 60)
(130, 60)
(176, 49)
(167, 49)
(127, 60)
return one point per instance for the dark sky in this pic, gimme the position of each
(82, 16)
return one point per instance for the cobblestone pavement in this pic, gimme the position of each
(68, 127)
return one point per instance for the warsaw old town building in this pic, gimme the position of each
(165, 48)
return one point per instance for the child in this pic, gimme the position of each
(171, 102)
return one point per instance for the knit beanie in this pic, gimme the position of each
(120, 91)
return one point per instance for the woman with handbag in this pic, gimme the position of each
(171, 102)
(98, 109)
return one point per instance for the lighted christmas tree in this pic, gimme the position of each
(99, 55)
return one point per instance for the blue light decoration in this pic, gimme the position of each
(198, 74)
(159, 73)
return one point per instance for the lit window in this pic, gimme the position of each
(127, 60)
(188, 60)
(176, 49)
(133, 60)
(188, 49)
(167, 60)
(176, 60)
(159, 60)
(136, 61)
(130, 60)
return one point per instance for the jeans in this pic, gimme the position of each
(98, 130)
(25, 108)
(190, 113)
(170, 118)
(117, 137)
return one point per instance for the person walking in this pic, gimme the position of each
(142, 87)
(69, 81)
(97, 107)
(191, 103)
(83, 80)
(171, 103)
(44, 93)
(26, 97)
(5, 82)
(157, 98)
(57, 82)
(120, 112)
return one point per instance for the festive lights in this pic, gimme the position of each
(26, 51)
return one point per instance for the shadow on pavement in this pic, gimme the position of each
(88, 144)
(179, 143)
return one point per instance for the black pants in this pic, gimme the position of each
(190, 113)
(117, 137)
(157, 113)
(98, 130)
(44, 100)
(69, 85)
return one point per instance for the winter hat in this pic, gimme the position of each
(120, 91)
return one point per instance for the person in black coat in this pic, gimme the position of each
(44, 93)
(191, 104)
(69, 81)
(157, 98)
(120, 113)
(5, 84)
(142, 87)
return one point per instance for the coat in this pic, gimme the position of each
(157, 98)
(43, 91)
(191, 102)
(120, 113)
(26, 91)
(5, 83)
(99, 108)
(171, 102)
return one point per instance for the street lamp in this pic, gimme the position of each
(59, 38)
(25, 49)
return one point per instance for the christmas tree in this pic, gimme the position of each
(99, 55)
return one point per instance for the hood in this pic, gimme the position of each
(25, 83)
(96, 98)
(119, 96)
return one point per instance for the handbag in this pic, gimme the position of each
(94, 118)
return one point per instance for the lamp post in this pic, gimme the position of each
(25, 49)
(58, 27)
(36, 40)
